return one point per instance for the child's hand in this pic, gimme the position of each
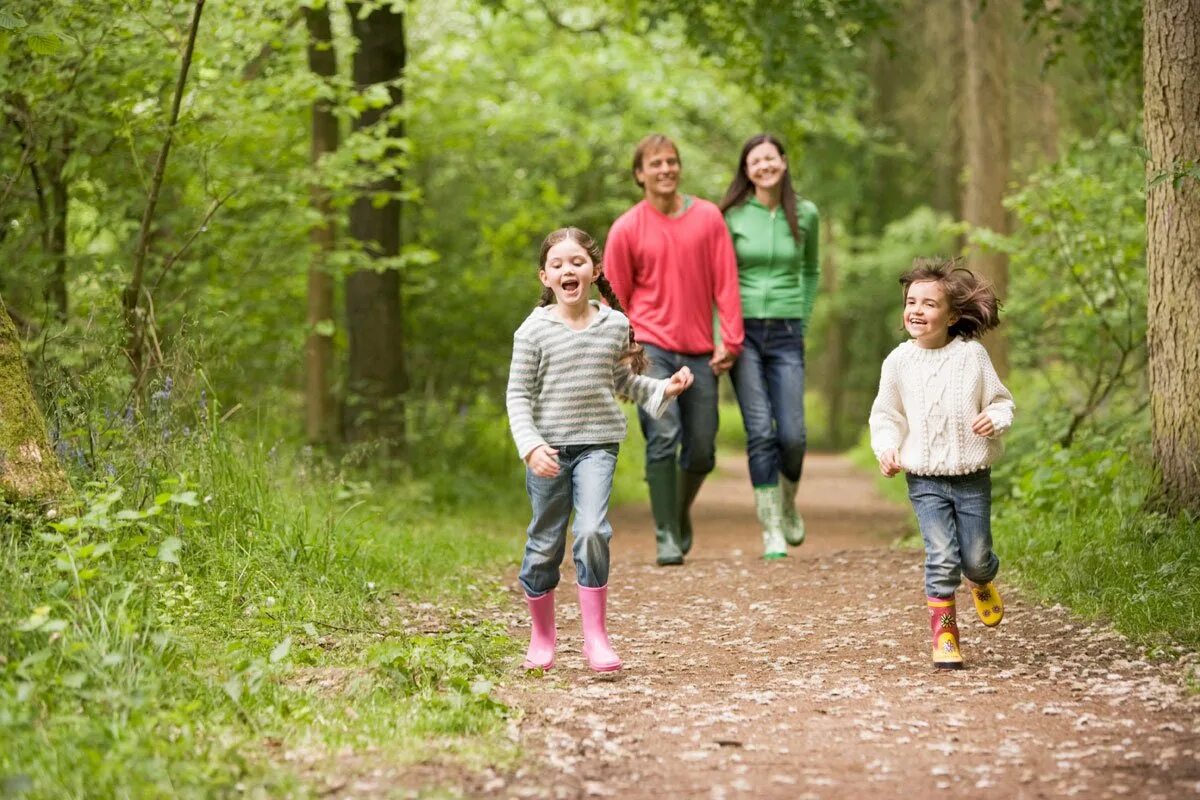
(983, 425)
(679, 382)
(889, 462)
(543, 461)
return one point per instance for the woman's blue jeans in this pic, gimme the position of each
(584, 484)
(687, 430)
(955, 515)
(768, 379)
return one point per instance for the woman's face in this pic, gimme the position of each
(765, 166)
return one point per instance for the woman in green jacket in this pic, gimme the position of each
(775, 238)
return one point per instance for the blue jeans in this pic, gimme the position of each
(955, 515)
(688, 428)
(584, 483)
(768, 379)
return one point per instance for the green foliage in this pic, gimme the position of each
(1076, 527)
(1077, 296)
(198, 582)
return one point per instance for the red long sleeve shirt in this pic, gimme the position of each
(669, 272)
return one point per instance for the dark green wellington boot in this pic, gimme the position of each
(664, 504)
(689, 487)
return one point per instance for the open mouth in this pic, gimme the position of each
(570, 285)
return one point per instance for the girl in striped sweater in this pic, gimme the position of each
(572, 358)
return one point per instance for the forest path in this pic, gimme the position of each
(809, 677)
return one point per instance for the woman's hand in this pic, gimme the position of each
(543, 461)
(678, 383)
(721, 360)
(983, 425)
(889, 462)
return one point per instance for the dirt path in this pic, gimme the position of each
(810, 678)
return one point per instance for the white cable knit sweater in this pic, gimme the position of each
(927, 400)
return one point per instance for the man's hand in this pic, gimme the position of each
(889, 462)
(543, 461)
(679, 382)
(983, 425)
(721, 360)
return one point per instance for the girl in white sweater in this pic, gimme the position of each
(938, 417)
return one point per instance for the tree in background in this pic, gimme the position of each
(986, 147)
(376, 379)
(319, 420)
(1171, 59)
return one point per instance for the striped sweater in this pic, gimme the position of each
(563, 384)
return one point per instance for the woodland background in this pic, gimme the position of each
(264, 260)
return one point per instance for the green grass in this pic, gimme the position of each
(171, 634)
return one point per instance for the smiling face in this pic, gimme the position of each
(659, 171)
(765, 166)
(927, 314)
(569, 272)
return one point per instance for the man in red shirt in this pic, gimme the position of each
(670, 261)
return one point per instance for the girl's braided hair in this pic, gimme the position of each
(971, 298)
(635, 355)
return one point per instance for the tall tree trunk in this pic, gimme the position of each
(1171, 66)
(318, 352)
(374, 403)
(985, 145)
(28, 467)
(1048, 118)
(834, 355)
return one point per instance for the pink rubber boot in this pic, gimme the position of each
(593, 605)
(544, 636)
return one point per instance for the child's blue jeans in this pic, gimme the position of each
(954, 512)
(584, 483)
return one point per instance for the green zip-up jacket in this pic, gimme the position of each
(778, 278)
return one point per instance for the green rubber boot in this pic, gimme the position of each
(689, 487)
(770, 514)
(664, 505)
(793, 523)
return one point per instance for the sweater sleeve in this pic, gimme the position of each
(522, 378)
(888, 424)
(725, 288)
(810, 268)
(997, 400)
(649, 393)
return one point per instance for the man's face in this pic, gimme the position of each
(659, 173)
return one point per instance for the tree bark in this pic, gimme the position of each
(834, 354)
(377, 381)
(28, 467)
(318, 353)
(1171, 66)
(986, 147)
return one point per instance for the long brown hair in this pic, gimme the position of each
(634, 355)
(741, 187)
(971, 298)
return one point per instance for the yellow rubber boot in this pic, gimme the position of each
(988, 603)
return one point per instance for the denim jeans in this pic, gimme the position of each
(768, 379)
(688, 428)
(954, 512)
(584, 483)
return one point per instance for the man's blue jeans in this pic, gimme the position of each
(584, 483)
(768, 379)
(688, 428)
(955, 515)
